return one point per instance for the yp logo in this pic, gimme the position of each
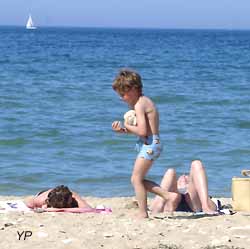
(24, 234)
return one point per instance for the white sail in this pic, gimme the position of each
(30, 24)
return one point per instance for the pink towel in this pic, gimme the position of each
(80, 210)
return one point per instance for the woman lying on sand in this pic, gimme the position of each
(59, 197)
(192, 192)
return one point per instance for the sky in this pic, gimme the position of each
(208, 14)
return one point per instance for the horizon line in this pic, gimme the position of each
(129, 27)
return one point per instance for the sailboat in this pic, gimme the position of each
(30, 24)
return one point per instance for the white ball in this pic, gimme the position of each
(130, 117)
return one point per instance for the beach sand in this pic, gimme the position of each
(120, 230)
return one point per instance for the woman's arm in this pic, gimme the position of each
(81, 202)
(29, 202)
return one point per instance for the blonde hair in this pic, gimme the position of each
(125, 80)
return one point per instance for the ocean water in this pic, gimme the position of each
(57, 106)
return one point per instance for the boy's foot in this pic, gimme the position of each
(142, 215)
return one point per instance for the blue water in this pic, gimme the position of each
(57, 106)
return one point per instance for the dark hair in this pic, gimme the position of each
(61, 197)
(125, 80)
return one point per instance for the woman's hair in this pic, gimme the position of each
(60, 197)
(125, 80)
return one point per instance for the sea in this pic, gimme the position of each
(57, 106)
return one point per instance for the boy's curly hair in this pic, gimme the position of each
(61, 197)
(125, 80)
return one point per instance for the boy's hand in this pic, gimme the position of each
(116, 126)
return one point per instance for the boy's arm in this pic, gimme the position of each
(141, 128)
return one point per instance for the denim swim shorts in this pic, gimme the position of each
(149, 148)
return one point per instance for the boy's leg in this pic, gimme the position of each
(168, 184)
(198, 198)
(141, 168)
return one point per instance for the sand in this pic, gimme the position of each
(120, 230)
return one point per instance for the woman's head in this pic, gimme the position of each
(126, 80)
(60, 197)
